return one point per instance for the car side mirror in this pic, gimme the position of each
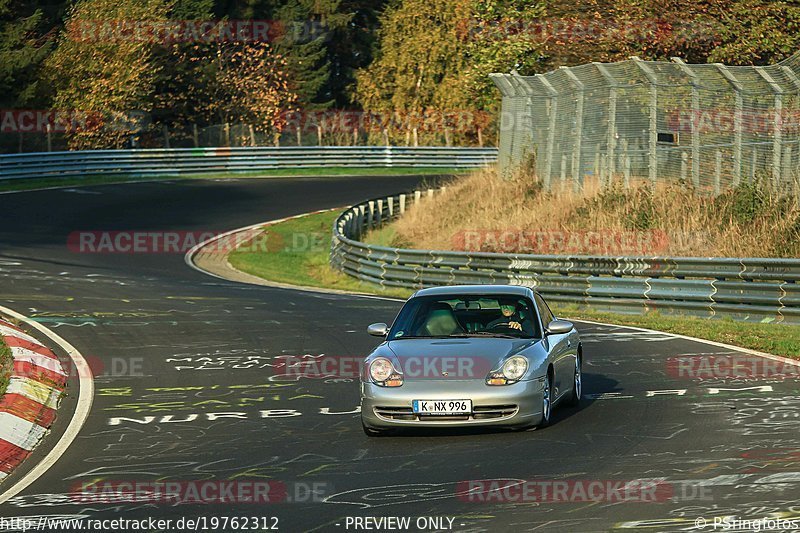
(559, 327)
(378, 329)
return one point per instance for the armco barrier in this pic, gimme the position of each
(178, 161)
(743, 289)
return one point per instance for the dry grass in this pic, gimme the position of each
(516, 215)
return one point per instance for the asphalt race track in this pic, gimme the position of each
(186, 391)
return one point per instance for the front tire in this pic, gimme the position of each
(577, 385)
(547, 402)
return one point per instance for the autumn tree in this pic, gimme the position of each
(229, 82)
(100, 71)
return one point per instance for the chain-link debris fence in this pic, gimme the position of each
(711, 126)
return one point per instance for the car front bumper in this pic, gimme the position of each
(516, 405)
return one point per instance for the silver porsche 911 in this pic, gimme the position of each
(457, 356)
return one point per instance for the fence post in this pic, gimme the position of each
(653, 81)
(611, 141)
(402, 203)
(603, 169)
(695, 118)
(551, 133)
(684, 166)
(627, 171)
(787, 164)
(390, 205)
(577, 167)
(165, 131)
(48, 129)
(626, 161)
(737, 122)
(195, 136)
(718, 173)
(777, 139)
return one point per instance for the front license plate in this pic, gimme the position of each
(442, 407)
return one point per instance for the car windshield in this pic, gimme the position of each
(466, 316)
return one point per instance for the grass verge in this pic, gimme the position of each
(288, 261)
(297, 252)
(487, 212)
(6, 365)
(42, 183)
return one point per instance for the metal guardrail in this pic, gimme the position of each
(178, 161)
(743, 289)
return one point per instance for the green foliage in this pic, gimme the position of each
(22, 50)
(6, 365)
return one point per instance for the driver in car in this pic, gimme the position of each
(511, 317)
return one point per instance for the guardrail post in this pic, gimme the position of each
(402, 203)
(371, 214)
(360, 221)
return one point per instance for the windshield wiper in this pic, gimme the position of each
(490, 334)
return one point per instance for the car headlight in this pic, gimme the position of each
(382, 372)
(511, 372)
(515, 368)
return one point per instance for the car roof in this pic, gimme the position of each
(516, 290)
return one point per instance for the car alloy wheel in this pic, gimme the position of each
(547, 401)
(577, 385)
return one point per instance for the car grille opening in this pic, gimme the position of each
(479, 412)
(482, 412)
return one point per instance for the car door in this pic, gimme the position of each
(560, 351)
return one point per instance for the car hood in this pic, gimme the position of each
(452, 359)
